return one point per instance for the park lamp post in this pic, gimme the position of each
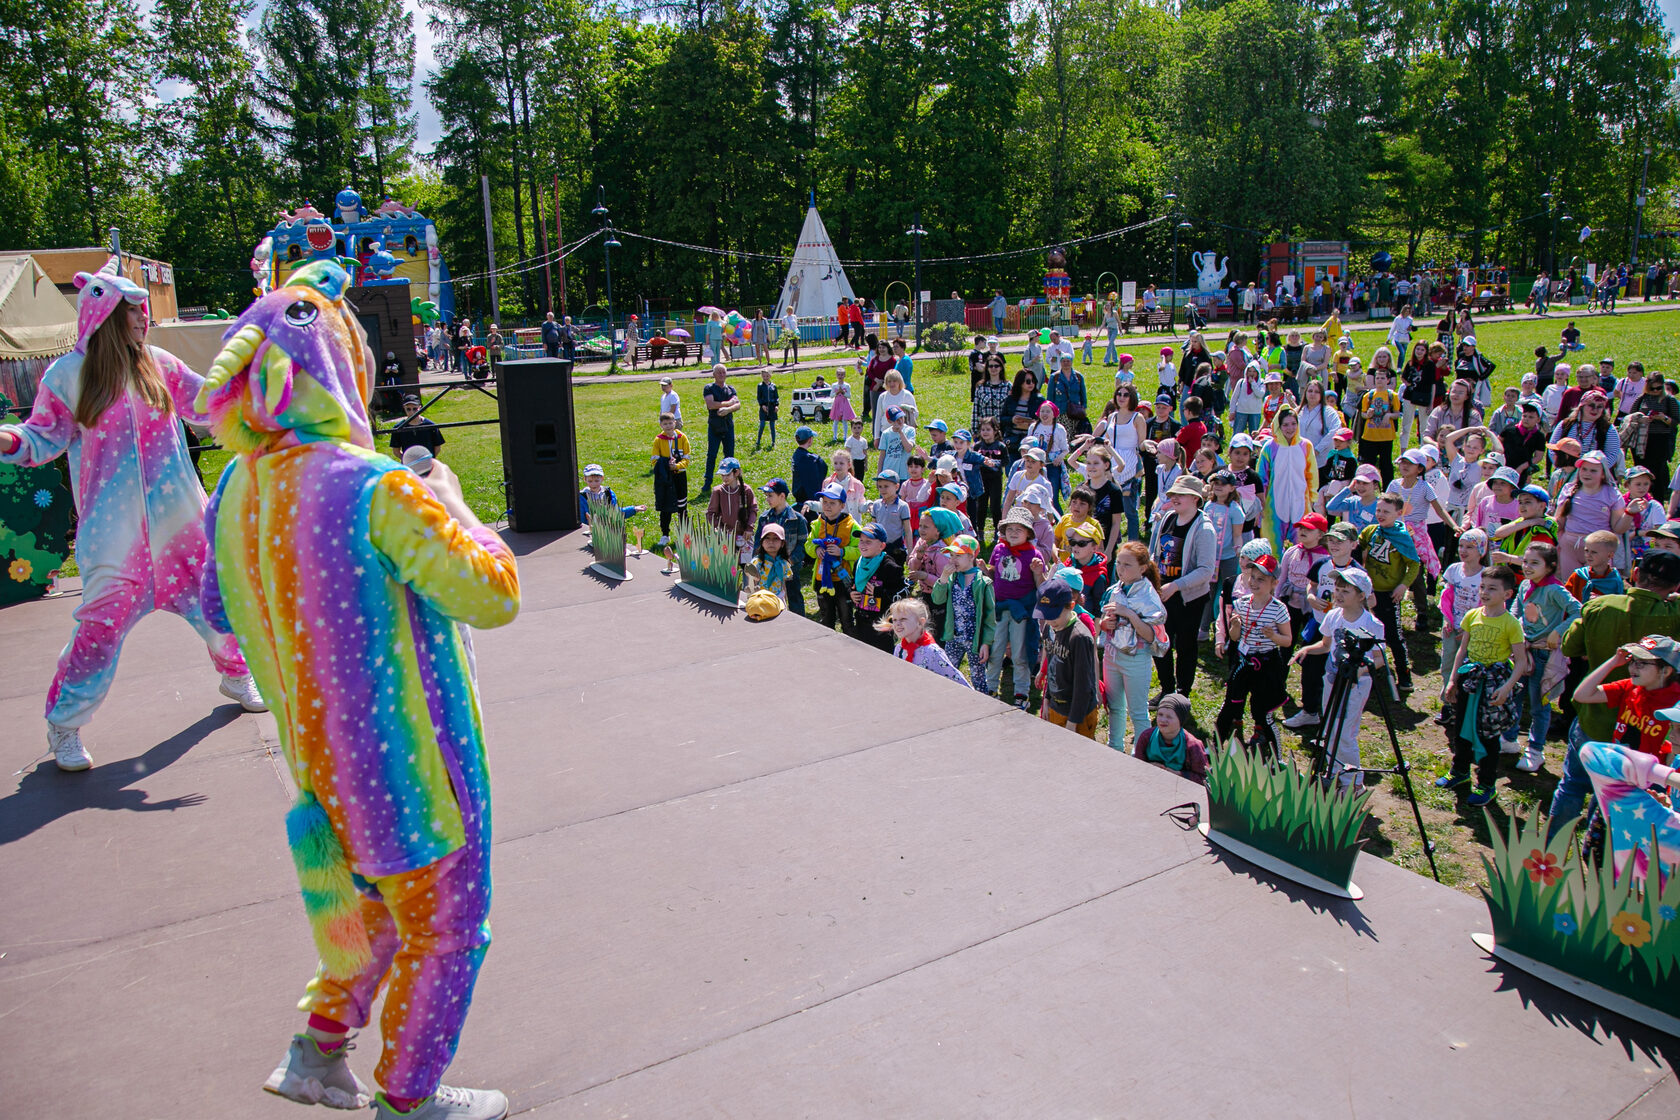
(1639, 211)
(1172, 315)
(916, 233)
(1172, 297)
(1551, 234)
(607, 247)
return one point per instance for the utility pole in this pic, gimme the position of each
(1639, 208)
(490, 247)
(607, 247)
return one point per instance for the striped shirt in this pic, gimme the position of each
(1256, 623)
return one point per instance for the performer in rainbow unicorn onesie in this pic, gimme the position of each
(1289, 468)
(115, 406)
(345, 574)
(1638, 826)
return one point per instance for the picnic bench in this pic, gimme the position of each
(1158, 320)
(651, 352)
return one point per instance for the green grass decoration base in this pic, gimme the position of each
(1286, 815)
(707, 562)
(1614, 934)
(606, 541)
(34, 529)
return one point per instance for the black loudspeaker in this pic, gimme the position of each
(539, 444)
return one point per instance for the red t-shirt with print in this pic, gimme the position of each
(1636, 710)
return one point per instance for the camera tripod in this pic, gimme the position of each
(1327, 767)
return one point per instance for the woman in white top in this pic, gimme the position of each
(1123, 428)
(894, 395)
(1319, 420)
(1400, 331)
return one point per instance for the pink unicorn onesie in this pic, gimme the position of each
(140, 539)
(345, 575)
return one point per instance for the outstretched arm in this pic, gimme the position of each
(439, 548)
(43, 437)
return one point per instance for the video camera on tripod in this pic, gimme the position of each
(1354, 649)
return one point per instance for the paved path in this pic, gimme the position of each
(1013, 344)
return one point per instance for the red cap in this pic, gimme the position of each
(1267, 564)
(1314, 521)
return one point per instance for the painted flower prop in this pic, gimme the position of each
(1564, 923)
(1543, 867)
(1630, 929)
(20, 570)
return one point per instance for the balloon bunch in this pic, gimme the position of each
(736, 329)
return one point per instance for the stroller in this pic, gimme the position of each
(478, 363)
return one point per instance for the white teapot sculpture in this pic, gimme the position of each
(1208, 279)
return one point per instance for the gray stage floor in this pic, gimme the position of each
(751, 870)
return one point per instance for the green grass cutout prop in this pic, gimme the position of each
(1284, 821)
(606, 541)
(1613, 940)
(34, 528)
(709, 564)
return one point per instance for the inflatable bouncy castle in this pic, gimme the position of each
(391, 245)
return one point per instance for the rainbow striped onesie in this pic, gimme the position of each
(344, 578)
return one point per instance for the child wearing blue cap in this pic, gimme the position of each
(733, 507)
(833, 550)
(1532, 526)
(877, 578)
(891, 513)
(938, 443)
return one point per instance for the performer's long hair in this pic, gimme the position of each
(114, 363)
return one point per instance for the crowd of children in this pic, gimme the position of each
(1009, 560)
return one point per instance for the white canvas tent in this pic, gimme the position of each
(37, 324)
(816, 282)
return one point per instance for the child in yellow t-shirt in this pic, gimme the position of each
(1482, 685)
(1080, 504)
(670, 474)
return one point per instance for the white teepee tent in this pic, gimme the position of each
(816, 282)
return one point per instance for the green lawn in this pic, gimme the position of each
(616, 424)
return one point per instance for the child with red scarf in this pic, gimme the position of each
(907, 620)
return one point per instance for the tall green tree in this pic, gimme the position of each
(75, 78)
(218, 195)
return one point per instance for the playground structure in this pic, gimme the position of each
(391, 245)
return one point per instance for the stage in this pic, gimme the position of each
(751, 870)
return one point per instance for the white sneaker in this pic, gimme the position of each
(66, 745)
(449, 1103)
(1533, 758)
(1510, 746)
(244, 690)
(309, 1075)
(1301, 719)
